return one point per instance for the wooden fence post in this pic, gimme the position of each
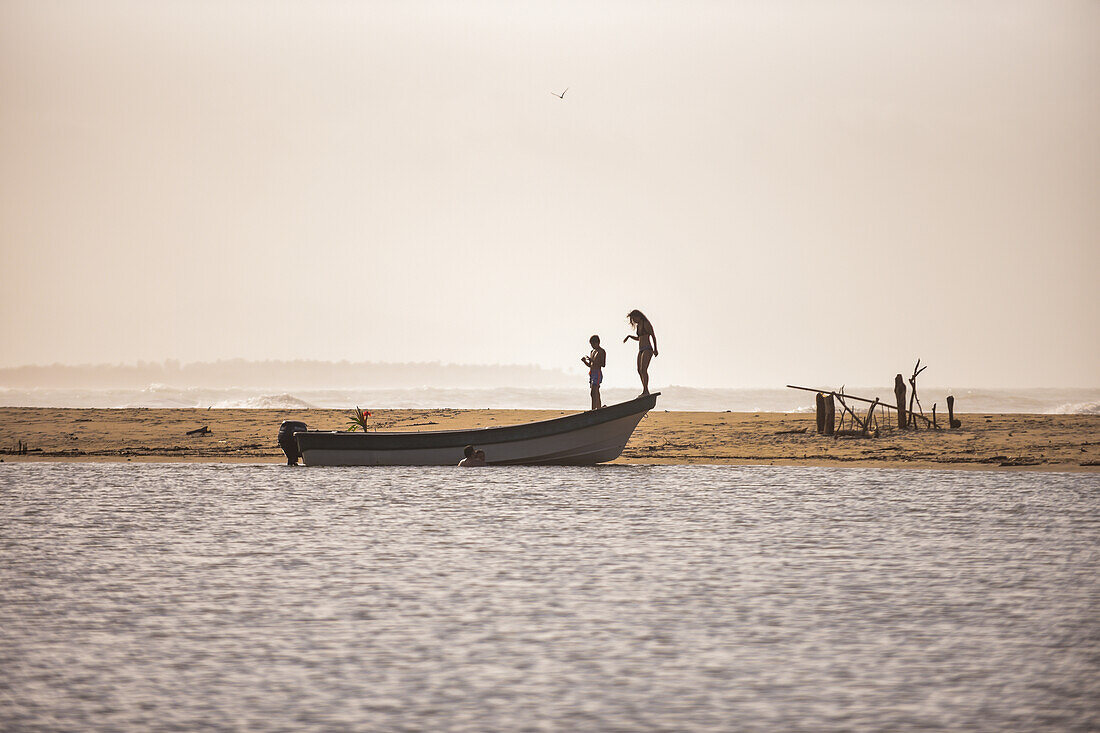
(830, 415)
(951, 412)
(899, 394)
(820, 400)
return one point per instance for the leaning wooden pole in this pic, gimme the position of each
(885, 405)
(845, 396)
(850, 411)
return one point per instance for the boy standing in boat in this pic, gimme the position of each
(595, 363)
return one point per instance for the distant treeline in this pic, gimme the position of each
(283, 374)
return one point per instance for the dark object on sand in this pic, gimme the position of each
(951, 412)
(830, 413)
(795, 431)
(819, 401)
(204, 430)
(287, 441)
(899, 395)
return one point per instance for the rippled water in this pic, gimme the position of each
(611, 598)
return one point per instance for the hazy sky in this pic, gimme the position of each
(810, 191)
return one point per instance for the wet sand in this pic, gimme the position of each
(1002, 442)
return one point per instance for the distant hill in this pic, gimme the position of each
(299, 374)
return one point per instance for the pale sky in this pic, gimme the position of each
(792, 191)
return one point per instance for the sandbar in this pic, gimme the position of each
(995, 441)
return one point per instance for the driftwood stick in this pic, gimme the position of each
(919, 406)
(912, 396)
(852, 434)
(855, 418)
(917, 369)
(927, 420)
(934, 425)
(850, 411)
(870, 415)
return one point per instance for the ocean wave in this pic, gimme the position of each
(1077, 408)
(674, 397)
(282, 401)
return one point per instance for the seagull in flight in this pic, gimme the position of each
(562, 95)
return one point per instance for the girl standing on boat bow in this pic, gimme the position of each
(647, 344)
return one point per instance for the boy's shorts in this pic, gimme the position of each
(595, 377)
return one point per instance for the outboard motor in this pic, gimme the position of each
(287, 441)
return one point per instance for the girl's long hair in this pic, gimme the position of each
(639, 320)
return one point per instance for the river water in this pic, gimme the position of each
(216, 597)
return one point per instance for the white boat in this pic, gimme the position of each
(581, 439)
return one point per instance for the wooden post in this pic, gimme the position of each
(934, 425)
(951, 412)
(830, 415)
(820, 413)
(899, 394)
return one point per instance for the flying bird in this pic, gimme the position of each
(562, 95)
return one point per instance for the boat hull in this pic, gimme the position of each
(582, 439)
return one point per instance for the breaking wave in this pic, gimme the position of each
(282, 401)
(1077, 408)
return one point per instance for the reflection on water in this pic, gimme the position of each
(611, 598)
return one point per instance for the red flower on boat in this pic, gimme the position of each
(359, 419)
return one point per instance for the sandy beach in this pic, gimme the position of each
(1000, 442)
